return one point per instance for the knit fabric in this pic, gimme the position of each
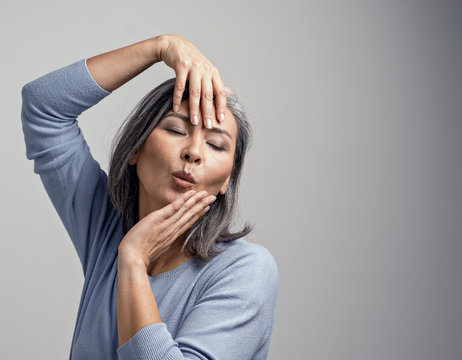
(220, 309)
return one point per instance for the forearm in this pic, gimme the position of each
(114, 68)
(136, 304)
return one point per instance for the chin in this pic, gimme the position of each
(172, 196)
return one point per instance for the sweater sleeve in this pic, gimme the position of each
(232, 319)
(73, 180)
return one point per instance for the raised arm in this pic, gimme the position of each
(114, 68)
(74, 181)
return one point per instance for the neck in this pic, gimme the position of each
(170, 259)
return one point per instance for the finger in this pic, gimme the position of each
(219, 91)
(180, 84)
(207, 107)
(194, 96)
(171, 213)
(193, 214)
(168, 211)
(192, 220)
(184, 211)
(194, 205)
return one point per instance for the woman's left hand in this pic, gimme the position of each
(204, 79)
(154, 234)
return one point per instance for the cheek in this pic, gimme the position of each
(152, 159)
(157, 152)
(220, 170)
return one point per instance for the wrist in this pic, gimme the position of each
(156, 46)
(129, 261)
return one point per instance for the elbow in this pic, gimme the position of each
(27, 92)
(28, 118)
(32, 106)
(27, 99)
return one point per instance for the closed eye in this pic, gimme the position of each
(216, 147)
(210, 144)
(174, 131)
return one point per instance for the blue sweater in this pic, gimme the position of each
(220, 309)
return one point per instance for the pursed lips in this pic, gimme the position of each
(183, 179)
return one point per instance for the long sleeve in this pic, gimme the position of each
(74, 181)
(220, 309)
(232, 318)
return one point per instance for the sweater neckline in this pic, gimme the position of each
(169, 273)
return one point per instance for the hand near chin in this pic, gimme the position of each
(154, 234)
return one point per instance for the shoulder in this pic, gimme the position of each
(248, 268)
(242, 253)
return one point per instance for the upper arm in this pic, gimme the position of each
(73, 180)
(234, 317)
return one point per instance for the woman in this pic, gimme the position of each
(164, 276)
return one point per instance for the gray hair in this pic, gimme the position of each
(123, 182)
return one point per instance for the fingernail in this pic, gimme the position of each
(203, 193)
(195, 120)
(176, 108)
(222, 117)
(209, 123)
(191, 192)
(211, 198)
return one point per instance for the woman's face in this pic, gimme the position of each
(176, 144)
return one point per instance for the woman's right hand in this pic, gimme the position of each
(157, 231)
(204, 79)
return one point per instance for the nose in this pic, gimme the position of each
(192, 152)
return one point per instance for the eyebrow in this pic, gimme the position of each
(188, 120)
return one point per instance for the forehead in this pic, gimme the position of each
(229, 123)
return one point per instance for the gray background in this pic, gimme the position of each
(353, 180)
